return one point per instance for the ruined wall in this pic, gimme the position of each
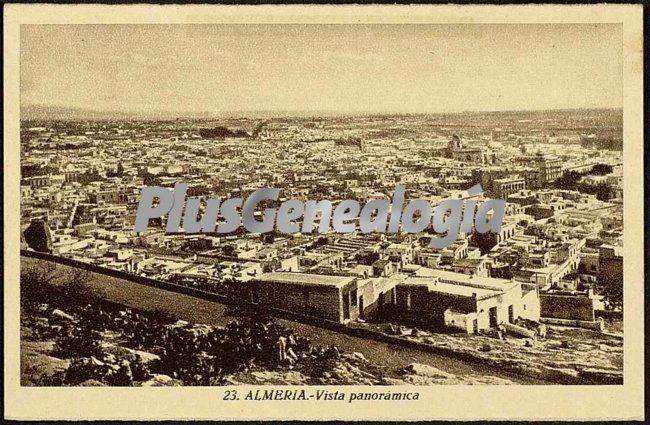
(460, 321)
(429, 307)
(321, 301)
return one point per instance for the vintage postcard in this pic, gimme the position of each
(323, 212)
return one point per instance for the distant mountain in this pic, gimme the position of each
(41, 112)
(44, 113)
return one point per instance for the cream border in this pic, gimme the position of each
(449, 402)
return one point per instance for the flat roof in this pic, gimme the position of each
(452, 289)
(476, 282)
(306, 279)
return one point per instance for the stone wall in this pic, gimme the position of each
(428, 306)
(316, 300)
(568, 307)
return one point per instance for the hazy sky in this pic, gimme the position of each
(392, 68)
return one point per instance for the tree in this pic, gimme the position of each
(601, 169)
(568, 181)
(613, 297)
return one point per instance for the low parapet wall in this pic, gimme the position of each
(596, 325)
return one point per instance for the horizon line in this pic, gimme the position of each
(215, 114)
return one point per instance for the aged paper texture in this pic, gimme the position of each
(480, 167)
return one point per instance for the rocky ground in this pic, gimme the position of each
(354, 369)
(41, 365)
(566, 355)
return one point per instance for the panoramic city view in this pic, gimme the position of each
(223, 109)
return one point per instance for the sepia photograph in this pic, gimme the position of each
(287, 209)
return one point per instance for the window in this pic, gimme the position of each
(353, 297)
